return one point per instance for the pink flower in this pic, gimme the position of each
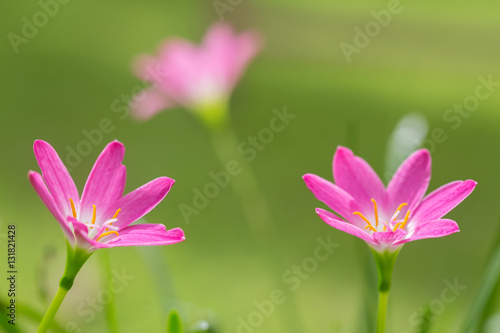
(196, 77)
(102, 216)
(386, 218)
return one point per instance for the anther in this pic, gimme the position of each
(73, 207)
(376, 211)
(106, 234)
(406, 220)
(363, 217)
(371, 228)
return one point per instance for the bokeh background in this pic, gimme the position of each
(66, 78)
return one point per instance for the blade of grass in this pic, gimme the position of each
(489, 281)
(174, 323)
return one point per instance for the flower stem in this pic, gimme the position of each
(385, 264)
(243, 182)
(75, 259)
(383, 301)
(52, 310)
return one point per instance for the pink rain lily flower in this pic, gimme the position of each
(192, 76)
(101, 217)
(386, 218)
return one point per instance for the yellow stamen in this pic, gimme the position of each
(385, 228)
(106, 234)
(376, 211)
(93, 214)
(363, 217)
(397, 226)
(406, 220)
(114, 217)
(401, 206)
(73, 207)
(116, 214)
(371, 228)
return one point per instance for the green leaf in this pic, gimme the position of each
(488, 283)
(174, 324)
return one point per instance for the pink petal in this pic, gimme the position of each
(37, 182)
(141, 201)
(147, 235)
(57, 178)
(352, 174)
(228, 54)
(182, 61)
(410, 182)
(149, 102)
(434, 229)
(441, 201)
(387, 238)
(106, 181)
(149, 69)
(196, 75)
(332, 220)
(82, 240)
(334, 197)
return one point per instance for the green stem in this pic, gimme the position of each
(75, 259)
(243, 181)
(52, 310)
(383, 301)
(385, 264)
(245, 186)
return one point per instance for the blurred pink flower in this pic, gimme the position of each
(102, 217)
(386, 218)
(195, 77)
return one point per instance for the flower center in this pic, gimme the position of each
(386, 225)
(91, 225)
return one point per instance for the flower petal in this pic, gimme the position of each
(355, 176)
(105, 183)
(82, 239)
(332, 220)
(410, 182)
(334, 197)
(56, 176)
(149, 102)
(228, 54)
(434, 229)
(441, 201)
(183, 64)
(147, 235)
(141, 201)
(387, 238)
(36, 180)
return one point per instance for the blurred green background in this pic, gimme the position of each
(65, 79)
